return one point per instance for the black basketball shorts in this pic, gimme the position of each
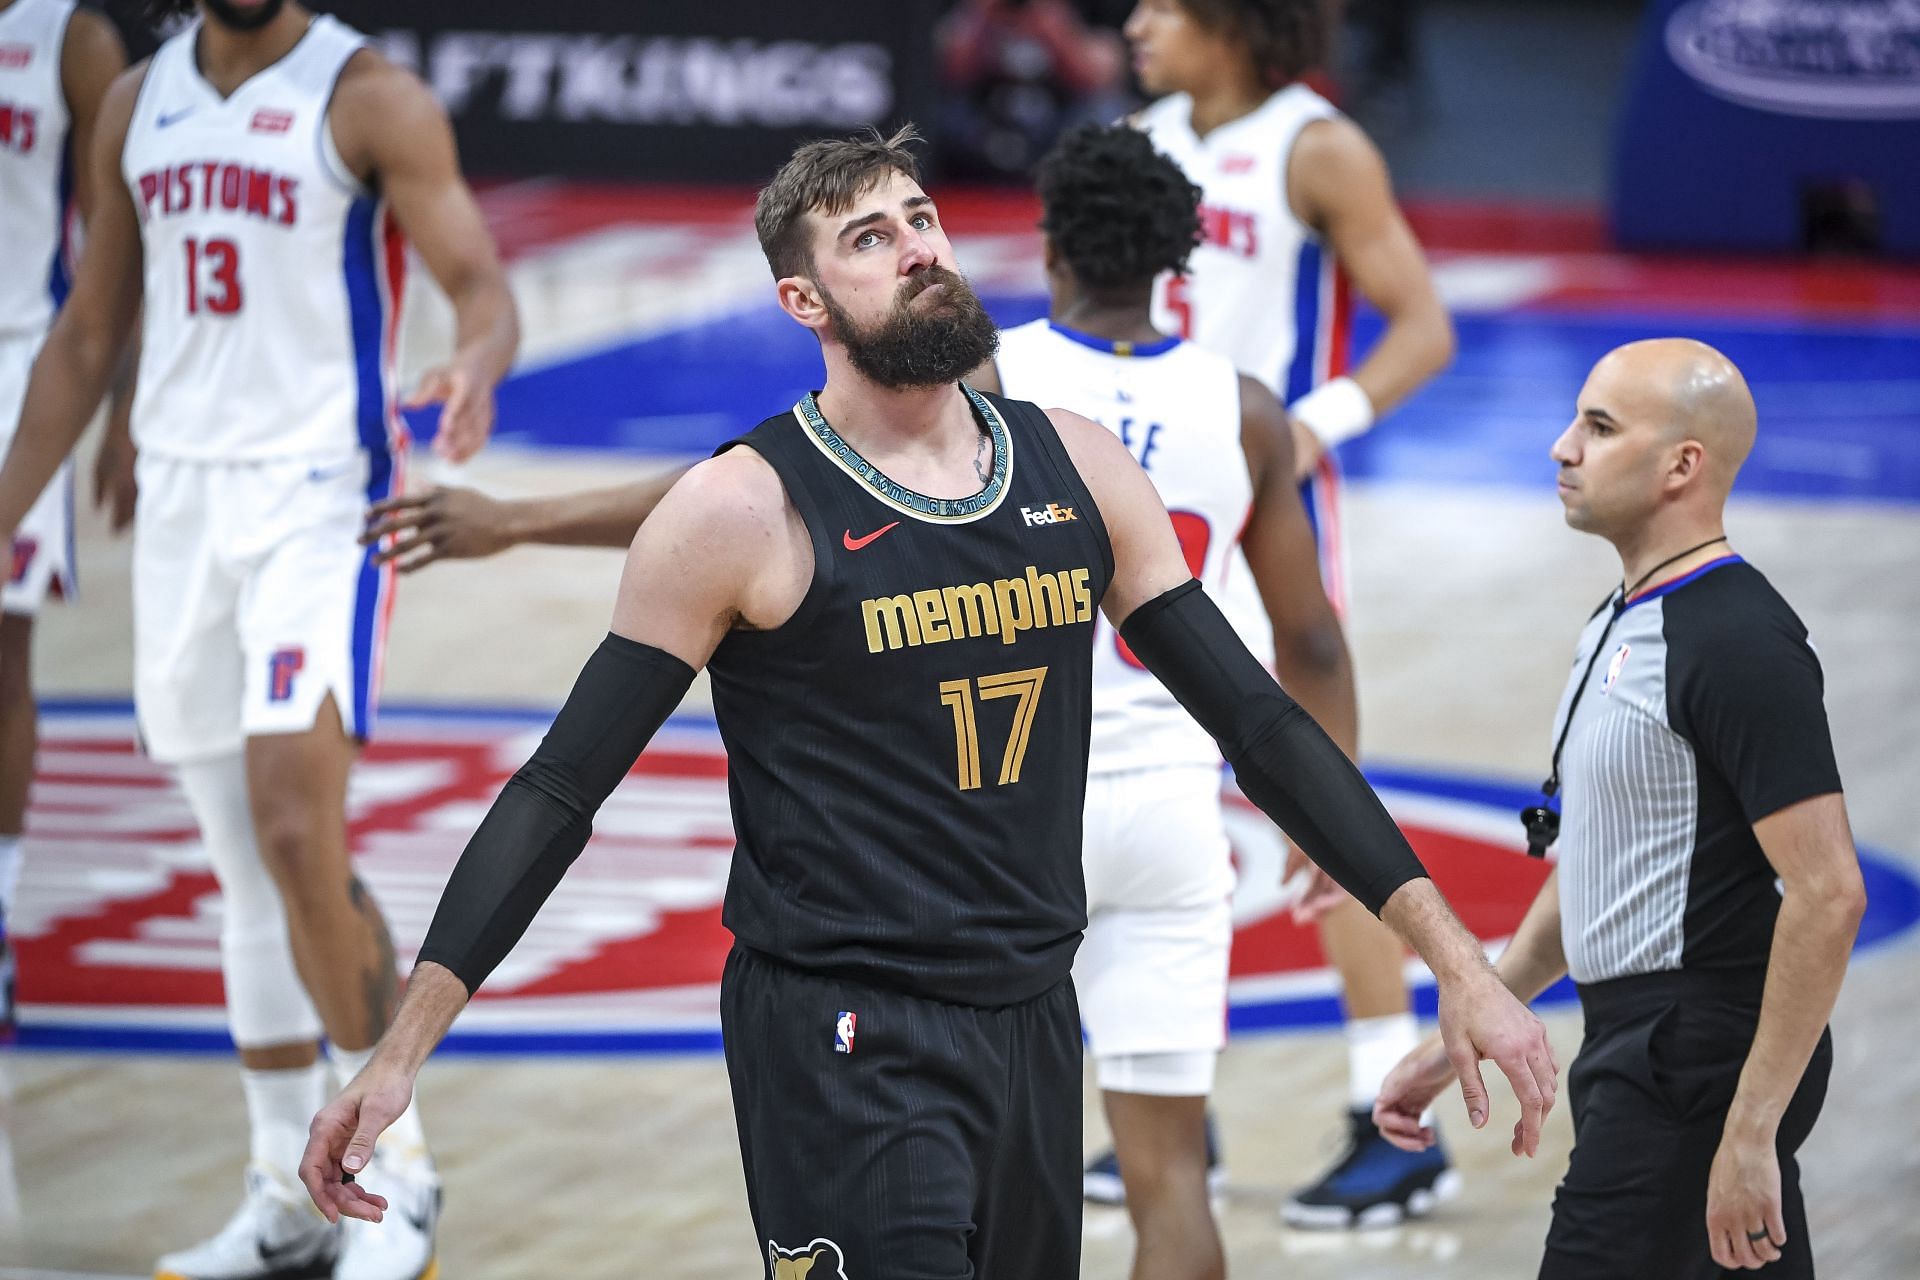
(1650, 1091)
(887, 1137)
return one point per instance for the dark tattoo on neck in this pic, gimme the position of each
(380, 984)
(983, 458)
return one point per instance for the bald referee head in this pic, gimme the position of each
(1659, 432)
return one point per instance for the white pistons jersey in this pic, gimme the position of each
(36, 167)
(273, 277)
(1176, 407)
(1260, 288)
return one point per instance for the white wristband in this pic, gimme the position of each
(1334, 411)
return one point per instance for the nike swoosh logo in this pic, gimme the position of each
(161, 122)
(854, 544)
(285, 1256)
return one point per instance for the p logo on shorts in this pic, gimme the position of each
(24, 550)
(282, 666)
(819, 1260)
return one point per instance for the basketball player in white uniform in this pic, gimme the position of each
(1297, 211)
(255, 180)
(55, 65)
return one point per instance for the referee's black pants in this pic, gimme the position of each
(944, 1145)
(1650, 1093)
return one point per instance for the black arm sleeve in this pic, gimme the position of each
(1284, 762)
(544, 814)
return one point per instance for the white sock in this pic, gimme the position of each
(9, 872)
(1374, 1047)
(280, 1106)
(405, 1140)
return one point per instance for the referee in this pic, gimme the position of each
(1707, 891)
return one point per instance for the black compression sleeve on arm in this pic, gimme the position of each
(1283, 761)
(544, 814)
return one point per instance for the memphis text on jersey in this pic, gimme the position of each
(1004, 607)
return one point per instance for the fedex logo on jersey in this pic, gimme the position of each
(19, 127)
(282, 666)
(1229, 229)
(1052, 513)
(208, 185)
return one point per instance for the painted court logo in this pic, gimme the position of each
(118, 919)
(819, 1259)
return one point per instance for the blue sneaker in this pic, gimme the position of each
(1101, 1184)
(1374, 1184)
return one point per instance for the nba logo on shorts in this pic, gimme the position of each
(1614, 664)
(282, 666)
(843, 1033)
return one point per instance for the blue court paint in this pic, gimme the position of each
(1839, 402)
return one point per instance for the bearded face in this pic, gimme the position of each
(239, 15)
(935, 333)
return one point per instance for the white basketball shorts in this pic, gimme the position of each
(1152, 972)
(43, 559)
(253, 600)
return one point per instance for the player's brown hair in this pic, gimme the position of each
(825, 177)
(1285, 38)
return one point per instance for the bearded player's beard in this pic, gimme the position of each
(238, 19)
(919, 346)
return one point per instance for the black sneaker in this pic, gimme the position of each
(1374, 1183)
(1101, 1184)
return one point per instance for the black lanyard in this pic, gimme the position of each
(1541, 821)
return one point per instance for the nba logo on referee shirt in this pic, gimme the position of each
(1614, 664)
(282, 666)
(843, 1033)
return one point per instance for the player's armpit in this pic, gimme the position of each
(722, 549)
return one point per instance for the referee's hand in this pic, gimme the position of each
(1480, 1018)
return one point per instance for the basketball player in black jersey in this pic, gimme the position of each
(893, 587)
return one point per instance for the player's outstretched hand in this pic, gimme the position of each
(439, 523)
(1409, 1090)
(340, 1142)
(1480, 1018)
(114, 488)
(466, 413)
(1318, 894)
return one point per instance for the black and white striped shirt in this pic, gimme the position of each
(1703, 716)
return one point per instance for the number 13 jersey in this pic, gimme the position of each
(273, 276)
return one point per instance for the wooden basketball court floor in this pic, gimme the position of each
(1467, 596)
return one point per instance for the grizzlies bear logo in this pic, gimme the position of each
(820, 1259)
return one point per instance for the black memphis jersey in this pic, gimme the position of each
(907, 755)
